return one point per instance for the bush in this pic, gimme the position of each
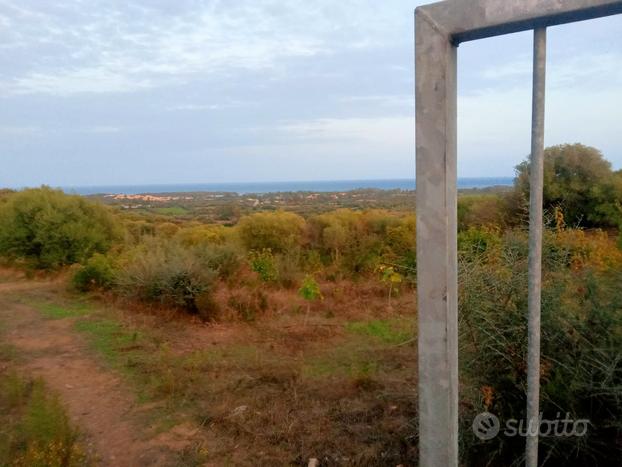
(277, 231)
(165, 272)
(52, 229)
(581, 370)
(481, 211)
(263, 263)
(166, 229)
(225, 260)
(476, 241)
(579, 181)
(97, 272)
(248, 304)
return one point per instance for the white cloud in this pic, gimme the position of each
(368, 134)
(80, 47)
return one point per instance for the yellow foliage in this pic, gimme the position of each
(589, 248)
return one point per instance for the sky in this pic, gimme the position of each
(108, 92)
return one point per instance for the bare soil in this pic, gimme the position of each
(96, 400)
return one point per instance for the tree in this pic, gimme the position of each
(52, 229)
(579, 181)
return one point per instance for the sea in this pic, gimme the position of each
(285, 186)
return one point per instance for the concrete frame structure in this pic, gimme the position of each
(439, 29)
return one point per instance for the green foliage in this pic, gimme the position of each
(278, 231)
(476, 241)
(164, 271)
(97, 272)
(358, 242)
(389, 275)
(109, 338)
(263, 263)
(166, 229)
(52, 229)
(226, 260)
(387, 331)
(204, 235)
(488, 210)
(310, 289)
(138, 229)
(581, 370)
(579, 181)
(34, 429)
(54, 311)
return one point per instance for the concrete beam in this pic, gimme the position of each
(466, 20)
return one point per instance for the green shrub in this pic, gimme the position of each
(166, 229)
(310, 289)
(579, 181)
(225, 259)
(487, 210)
(197, 235)
(277, 231)
(581, 369)
(51, 229)
(97, 272)
(357, 242)
(476, 241)
(164, 271)
(263, 263)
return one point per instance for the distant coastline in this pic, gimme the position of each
(287, 186)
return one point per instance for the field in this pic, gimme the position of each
(178, 392)
(217, 329)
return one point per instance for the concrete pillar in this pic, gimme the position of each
(536, 169)
(436, 243)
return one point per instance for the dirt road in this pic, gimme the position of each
(96, 399)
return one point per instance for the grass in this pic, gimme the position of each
(286, 392)
(54, 311)
(391, 331)
(34, 428)
(111, 340)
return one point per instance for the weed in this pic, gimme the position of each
(386, 331)
(54, 311)
(110, 339)
(34, 428)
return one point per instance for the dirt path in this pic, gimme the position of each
(96, 399)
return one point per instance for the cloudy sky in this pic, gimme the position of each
(96, 92)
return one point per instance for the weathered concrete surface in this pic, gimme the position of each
(436, 245)
(465, 20)
(536, 182)
(439, 28)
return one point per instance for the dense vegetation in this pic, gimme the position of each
(50, 229)
(222, 272)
